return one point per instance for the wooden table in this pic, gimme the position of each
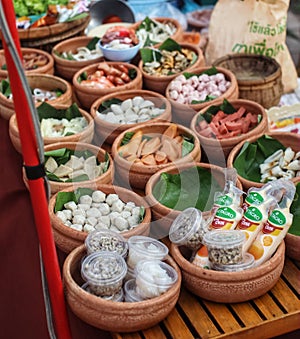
(275, 313)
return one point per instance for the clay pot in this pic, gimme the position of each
(136, 175)
(110, 315)
(67, 68)
(160, 83)
(107, 132)
(105, 178)
(86, 136)
(87, 95)
(31, 55)
(184, 113)
(44, 81)
(163, 20)
(163, 215)
(217, 150)
(230, 287)
(287, 139)
(67, 239)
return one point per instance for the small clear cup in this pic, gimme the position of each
(188, 229)
(104, 272)
(106, 240)
(225, 246)
(247, 263)
(143, 248)
(153, 278)
(119, 296)
(130, 291)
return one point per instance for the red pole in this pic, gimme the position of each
(36, 187)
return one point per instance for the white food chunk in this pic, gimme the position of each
(105, 219)
(74, 162)
(129, 206)
(92, 221)
(51, 165)
(93, 212)
(133, 220)
(121, 223)
(63, 171)
(79, 211)
(68, 214)
(70, 205)
(79, 219)
(88, 228)
(111, 198)
(101, 226)
(136, 211)
(117, 206)
(68, 223)
(85, 199)
(98, 196)
(76, 227)
(125, 214)
(104, 208)
(61, 215)
(83, 206)
(113, 215)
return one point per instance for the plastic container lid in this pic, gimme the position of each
(142, 248)
(247, 263)
(106, 240)
(119, 296)
(153, 278)
(187, 228)
(224, 238)
(130, 291)
(104, 271)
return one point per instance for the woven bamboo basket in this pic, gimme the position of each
(258, 77)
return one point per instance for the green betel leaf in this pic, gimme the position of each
(82, 177)
(107, 162)
(55, 153)
(253, 154)
(62, 198)
(295, 210)
(146, 24)
(107, 103)
(148, 42)
(169, 45)
(93, 43)
(210, 71)
(127, 138)
(82, 76)
(5, 88)
(79, 192)
(194, 187)
(150, 54)
(132, 73)
(187, 145)
(46, 111)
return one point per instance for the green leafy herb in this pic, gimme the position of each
(194, 187)
(147, 24)
(208, 98)
(295, 210)
(169, 45)
(187, 145)
(4, 67)
(93, 43)
(46, 111)
(150, 55)
(253, 154)
(64, 197)
(107, 103)
(132, 73)
(82, 76)
(210, 71)
(127, 138)
(5, 88)
(141, 214)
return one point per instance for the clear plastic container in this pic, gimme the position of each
(119, 296)
(247, 263)
(106, 240)
(188, 229)
(104, 272)
(130, 274)
(225, 246)
(130, 291)
(143, 248)
(153, 278)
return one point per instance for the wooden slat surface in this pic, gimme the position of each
(275, 313)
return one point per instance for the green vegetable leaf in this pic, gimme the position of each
(107, 162)
(210, 71)
(194, 187)
(127, 138)
(295, 210)
(253, 154)
(46, 111)
(92, 44)
(187, 145)
(62, 198)
(82, 177)
(56, 152)
(107, 103)
(82, 76)
(150, 54)
(132, 73)
(169, 45)
(142, 214)
(147, 24)
(5, 88)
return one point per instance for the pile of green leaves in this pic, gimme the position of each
(46, 111)
(254, 154)
(34, 7)
(64, 197)
(193, 187)
(151, 54)
(63, 155)
(295, 210)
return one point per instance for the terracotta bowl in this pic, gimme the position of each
(287, 139)
(292, 246)
(105, 178)
(44, 81)
(163, 215)
(136, 175)
(179, 30)
(67, 239)
(86, 136)
(115, 316)
(35, 61)
(230, 287)
(160, 83)
(184, 113)
(107, 132)
(217, 150)
(87, 95)
(67, 68)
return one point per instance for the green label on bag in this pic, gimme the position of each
(224, 200)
